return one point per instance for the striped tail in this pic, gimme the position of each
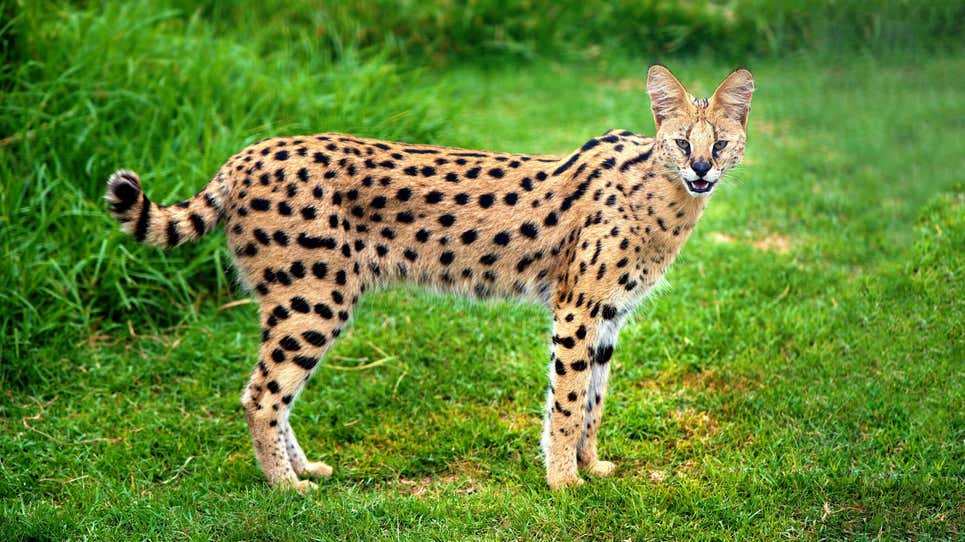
(159, 225)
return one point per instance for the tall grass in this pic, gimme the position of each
(496, 30)
(149, 89)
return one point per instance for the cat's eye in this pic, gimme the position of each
(720, 145)
(683, 144)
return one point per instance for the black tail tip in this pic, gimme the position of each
(123, 190)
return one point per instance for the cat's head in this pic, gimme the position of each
(699, 139)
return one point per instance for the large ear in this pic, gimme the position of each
(667, 96)
(733, 97)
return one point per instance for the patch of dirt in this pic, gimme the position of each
(771, 128)
(780, 244)
(626, 83)
(461, 479)
(694, 423)
(773, 243)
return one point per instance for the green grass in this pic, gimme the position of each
(800, 379)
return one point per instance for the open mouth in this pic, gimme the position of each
(700, 186)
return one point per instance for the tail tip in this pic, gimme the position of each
(123, 189)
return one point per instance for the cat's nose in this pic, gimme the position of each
(700, 168)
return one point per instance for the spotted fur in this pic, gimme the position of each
(314, 222)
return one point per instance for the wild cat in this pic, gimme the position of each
(315, 221)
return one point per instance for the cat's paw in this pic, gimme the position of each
(303, 487)
(317, 469)
(601, 469)
(562, 482)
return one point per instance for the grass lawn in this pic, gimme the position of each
(801, 378)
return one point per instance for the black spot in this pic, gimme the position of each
(298, 269)
(579, 365)
(566, 165)
(314, 338)
(273, 386)
(488, 259)
(496, 173)
(502, 238)
(289, 343)
(277, 355)
(403, 194)
(320, 158)
(643, 157)
(305, 362)
(378, 202)
(452, 177)
(571, 396)
(324, 311)
(381, 250)
(197, 223)
(299, 304)
(486, 200)
(609, 163)
(447, 257)
(388, 233)
(447, 220)
(428, 171)
(603, 354)
(411, 171)
(405, 217)
(410, 254)
(472, 173)
(468, 236)
(609, 312)
(550, 219)
(511, 198)
(422, 235)
(284, 209)
(320, 269)
(281, 155)
(260, 204)
(434, 197)
(581, 332)
(560, 368)
(340, 278)
(261, 236)
(529, 230)
(523, 263)
(337, 297)
(565, 342)
(589, 145)
(462, 198)
(309, 241)
(308, 213)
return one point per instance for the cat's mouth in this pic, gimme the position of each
(700, 186)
